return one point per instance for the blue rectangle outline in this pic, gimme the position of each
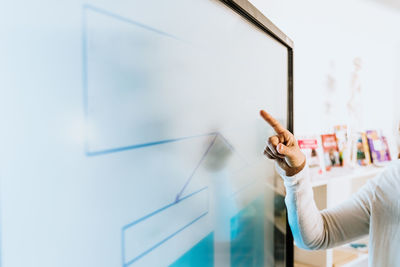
(129, 225)
(88, 152)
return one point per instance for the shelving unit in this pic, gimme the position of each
(343, 173)
(330, 189)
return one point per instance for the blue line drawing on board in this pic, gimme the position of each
(179, 195)
(130, 21)
(202, 203)
(85, 81)
(129, 231)
(198, 196)
(201, 212)
(125, 148)
(224, 145)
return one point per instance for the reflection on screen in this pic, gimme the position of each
(170, 170)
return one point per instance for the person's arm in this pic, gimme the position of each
(314, 229)
(311, 228)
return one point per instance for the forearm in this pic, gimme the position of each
(305, 219)
(314, 229)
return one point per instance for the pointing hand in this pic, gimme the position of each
(283, 147)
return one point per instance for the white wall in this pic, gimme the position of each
(338, 31)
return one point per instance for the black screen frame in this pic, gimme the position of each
(253, 15)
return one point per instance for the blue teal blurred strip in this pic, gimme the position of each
(201, 254)
(247, 235)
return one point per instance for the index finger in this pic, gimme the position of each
(273, 122)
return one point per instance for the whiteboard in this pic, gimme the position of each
(131, 134)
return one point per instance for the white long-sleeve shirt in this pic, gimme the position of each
(373, 210)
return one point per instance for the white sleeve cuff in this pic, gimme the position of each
(295, 179)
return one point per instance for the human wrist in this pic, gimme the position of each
(296, 169)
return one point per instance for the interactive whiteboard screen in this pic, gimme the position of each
(131, 135)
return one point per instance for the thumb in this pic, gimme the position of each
(284, 150)
(293, 156)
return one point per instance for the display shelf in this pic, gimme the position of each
(360, 261)
(343, 173)
(299, 264)
(344, 257)
(348, 256)
(338, 257)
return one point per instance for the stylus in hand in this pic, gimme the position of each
(283, 147)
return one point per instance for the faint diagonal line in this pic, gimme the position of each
(178, 196)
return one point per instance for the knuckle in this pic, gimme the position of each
(288, 135)
(274, 140)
